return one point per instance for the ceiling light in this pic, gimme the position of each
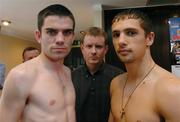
(6, 22)
(82, 32)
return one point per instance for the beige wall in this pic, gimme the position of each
(11, 50)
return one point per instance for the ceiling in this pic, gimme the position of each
(22, 13)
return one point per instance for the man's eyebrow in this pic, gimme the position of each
(126, 29)
(68, 29)
(130, 28)
(114, 31)
(51, 29)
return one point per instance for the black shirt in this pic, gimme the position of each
(93, 92)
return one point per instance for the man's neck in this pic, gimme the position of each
(51, 64)
(93, 68)
(136, 71)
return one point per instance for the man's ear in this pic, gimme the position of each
(150, 39)
(107, 48)
(73, 38)
(38, 36)
(81, 46)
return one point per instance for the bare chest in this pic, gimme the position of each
(139, 107)
(52, 93)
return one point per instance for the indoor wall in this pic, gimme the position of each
(11, 49)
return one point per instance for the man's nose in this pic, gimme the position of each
(122, 40)
(60, 38)
(93, 49)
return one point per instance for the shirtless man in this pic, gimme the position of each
(30, 53)
(41, 90)
(147, 92)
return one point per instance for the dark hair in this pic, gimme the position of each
(56, 9)
(95, 31)
(29, 49)
(144, 20)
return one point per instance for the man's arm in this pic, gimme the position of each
(13, 98)
(168, 99)
(110, 117)
(113, 86)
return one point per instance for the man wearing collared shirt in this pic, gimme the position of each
(92, 80)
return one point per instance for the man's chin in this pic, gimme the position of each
(126, 60)
(94, 62)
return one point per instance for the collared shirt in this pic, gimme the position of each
(93, 92)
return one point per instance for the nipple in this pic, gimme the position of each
(52, 102)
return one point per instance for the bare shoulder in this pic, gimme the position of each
(18, 73)
(20, 78)
(67, 71)
(167, 82)
(21, 72)
(117, 82)
(167, 95)
(66, 74)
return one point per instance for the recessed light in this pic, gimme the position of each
(82, 32)
(6, 22)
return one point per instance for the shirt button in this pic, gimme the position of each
(92, 90)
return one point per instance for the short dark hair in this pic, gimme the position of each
(56, 9)
(95, 31)
(144, 19)
(29, 49)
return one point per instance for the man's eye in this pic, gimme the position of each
(99, 46)
(131, 33)
(88, 46)
(52, 32)
(115, 34)
(68, 32)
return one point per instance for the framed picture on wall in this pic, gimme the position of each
(2, 74)
(174, 30)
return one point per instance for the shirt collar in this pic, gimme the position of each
(101, 68)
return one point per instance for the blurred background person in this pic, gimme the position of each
(29, 53)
